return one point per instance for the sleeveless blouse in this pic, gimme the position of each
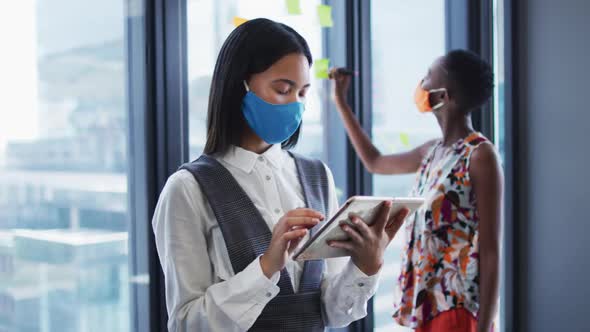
(440, 263)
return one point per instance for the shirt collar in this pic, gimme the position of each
(245, 160)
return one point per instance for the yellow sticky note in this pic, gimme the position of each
(293, 7)
(321, 68)
(325, 16)
(239, 21)
(405, 139)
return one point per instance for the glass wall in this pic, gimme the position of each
(499, 107)
(498, 33)
(63, 167)
(406, 38)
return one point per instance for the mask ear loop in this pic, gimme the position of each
(246, 86)
(439, 105)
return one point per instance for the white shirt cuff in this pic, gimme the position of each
(263, 288)
(366, 285)
(259, 291)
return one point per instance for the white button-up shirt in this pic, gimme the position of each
(202, 291)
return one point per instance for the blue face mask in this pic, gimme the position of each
(271, 122)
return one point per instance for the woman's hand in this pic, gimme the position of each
(286, 235)
(368, 243)
(341, 85)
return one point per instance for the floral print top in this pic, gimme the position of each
(440, 260)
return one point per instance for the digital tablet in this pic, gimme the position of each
(365, 207)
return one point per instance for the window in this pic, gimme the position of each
(209, 24)
(498, 62)
(499, 115)
(63, 167)
(406, 38)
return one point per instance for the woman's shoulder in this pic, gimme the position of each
(485, 153)
(180, 177)
(484, 159)
(181, 182)
(476, 146)
(476, 139)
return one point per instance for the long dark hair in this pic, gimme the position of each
(251, 48)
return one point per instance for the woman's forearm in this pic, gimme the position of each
(373, 160)
(488, 289)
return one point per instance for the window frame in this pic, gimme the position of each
(158, 140)
(513, 208)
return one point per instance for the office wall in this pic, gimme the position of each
(552, 102)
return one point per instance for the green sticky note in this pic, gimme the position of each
(321, 68)
(405, 139)
(293, 7)
(325, 15)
